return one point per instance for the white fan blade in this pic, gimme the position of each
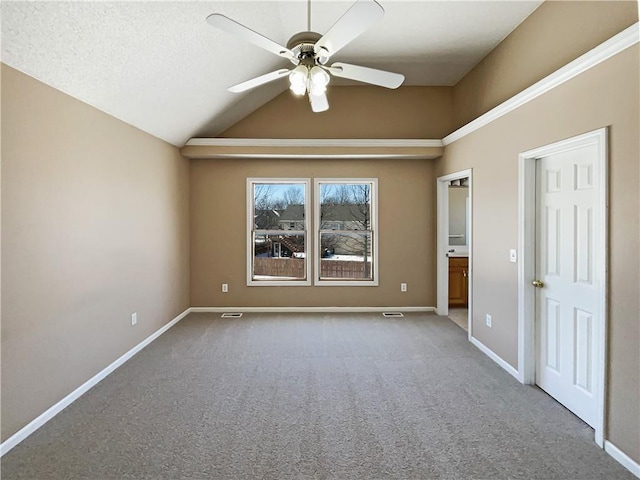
(231, 26)
(319, 103)
(367, 75)
(360, 16)
(261, 80)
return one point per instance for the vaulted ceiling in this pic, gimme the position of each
(160, 67)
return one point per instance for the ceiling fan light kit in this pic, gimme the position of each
(298, 79)
(303, 79)
(310, 51)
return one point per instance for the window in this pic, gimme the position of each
(346, 241)
(277, 226)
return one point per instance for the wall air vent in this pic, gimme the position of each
(231, 315)
(392, 314)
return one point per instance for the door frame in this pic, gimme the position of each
(527, 263)
(442, 244)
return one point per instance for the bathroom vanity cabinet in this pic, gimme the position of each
(458, 281)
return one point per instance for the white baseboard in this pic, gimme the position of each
(493, 356)
(39, 421)
(310, 309)
(622, 458)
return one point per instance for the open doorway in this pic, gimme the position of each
(454, 247)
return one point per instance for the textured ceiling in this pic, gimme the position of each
(160, 67)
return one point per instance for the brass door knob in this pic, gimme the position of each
(537, 284)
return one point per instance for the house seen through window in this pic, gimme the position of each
(278, 225)
(346, 235)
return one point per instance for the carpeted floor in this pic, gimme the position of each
(286, 396)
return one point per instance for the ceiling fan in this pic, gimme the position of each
(309, 52)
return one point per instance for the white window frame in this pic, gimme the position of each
(375, 265)
(307, 232)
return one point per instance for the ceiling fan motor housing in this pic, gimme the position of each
(302, 44)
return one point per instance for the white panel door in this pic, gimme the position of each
(567, 222)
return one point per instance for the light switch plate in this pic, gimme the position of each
(513, 255)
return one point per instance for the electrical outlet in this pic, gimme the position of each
(225, 287)
(403, 287)
(488, 320)
(134, 318)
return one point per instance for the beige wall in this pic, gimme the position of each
(606, 95)
(94, 227)
(552, 36)
(406, 217)
(355, 112)
(406, 196)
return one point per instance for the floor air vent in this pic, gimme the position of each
(231, 315)
(392, 314)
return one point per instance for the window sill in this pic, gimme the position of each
(346, 283)
(279, 283)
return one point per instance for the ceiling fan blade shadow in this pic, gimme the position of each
(231, 26)
(261, 80)
(373, 76)
(319, 103)
(360, 16)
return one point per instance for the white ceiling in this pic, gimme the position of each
(160, 67)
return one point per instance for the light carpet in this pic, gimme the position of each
(313, 396)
